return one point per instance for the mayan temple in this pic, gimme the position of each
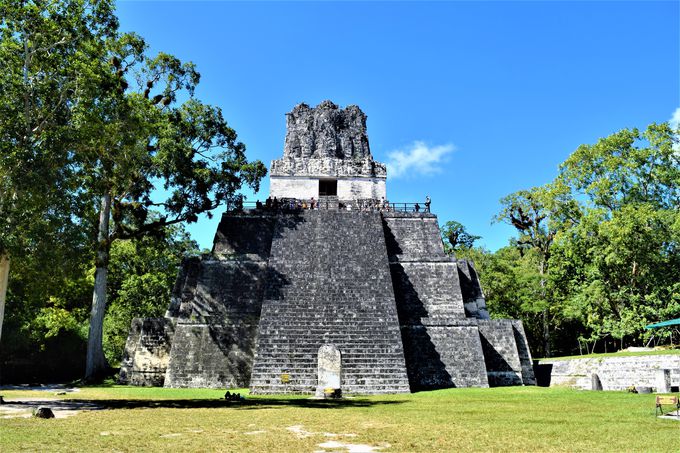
(326, 285)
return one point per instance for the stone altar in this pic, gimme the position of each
(283, 285)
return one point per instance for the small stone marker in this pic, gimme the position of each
(596, 384)
(330, 362)
(663, 381)
(43, 412)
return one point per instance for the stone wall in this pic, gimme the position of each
(443, 356)
(215, 337)
(361, 188)
(290, 187)
(147, 352)
(215, 355)
(442, 348)
(471, 287)
(304, 188)
(528, 376)
(501, 355)
(615, 373)
(413, 237)
(246, 236)
(217, 302)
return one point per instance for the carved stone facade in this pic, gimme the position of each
(327, 143)
(297, 300)
(326, 131)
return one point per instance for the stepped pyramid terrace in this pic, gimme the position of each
(326, 285)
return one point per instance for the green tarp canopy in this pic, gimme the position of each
(670, 322)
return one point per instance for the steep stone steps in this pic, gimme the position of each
(329, 283)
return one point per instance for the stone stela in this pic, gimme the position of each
(303, 300)
(330, 367)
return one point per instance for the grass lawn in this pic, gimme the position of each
(498, 419)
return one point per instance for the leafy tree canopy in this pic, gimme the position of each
(456, 237)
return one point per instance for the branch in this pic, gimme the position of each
(127, 233)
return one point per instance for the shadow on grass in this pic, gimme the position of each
(247, 404)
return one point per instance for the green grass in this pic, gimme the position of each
(498, 419)
(614, 354)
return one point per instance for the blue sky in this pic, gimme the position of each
(466, 101)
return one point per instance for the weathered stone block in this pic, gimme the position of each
(615, 373)
(147, 352)
(501, 356)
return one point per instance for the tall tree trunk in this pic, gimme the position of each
(546, 334)
(96, 363)
(4, 279)
(546, 318)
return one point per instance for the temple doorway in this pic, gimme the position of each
(328, 187)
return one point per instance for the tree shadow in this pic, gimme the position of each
(252, 403)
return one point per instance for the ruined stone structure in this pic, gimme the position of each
(326, 153)
(292, 300)
(612, 372)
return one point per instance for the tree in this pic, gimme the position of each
(529, 211)
(138, 138)
(627, 167)
(43, 45)
(618, 265)
(456, 237)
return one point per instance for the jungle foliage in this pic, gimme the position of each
(100, 144)
(597, 251)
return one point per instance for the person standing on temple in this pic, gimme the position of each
(427, 203)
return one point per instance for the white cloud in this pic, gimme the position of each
(675, 119)
(417, 159)
(675, 123)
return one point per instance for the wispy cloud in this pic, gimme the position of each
(675, 118)
(675, 123)
(417, 159)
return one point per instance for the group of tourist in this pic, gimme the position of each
(287, 204)
(363, 205)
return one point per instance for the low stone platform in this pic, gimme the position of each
(614, 373)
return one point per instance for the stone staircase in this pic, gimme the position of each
(329, 283)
